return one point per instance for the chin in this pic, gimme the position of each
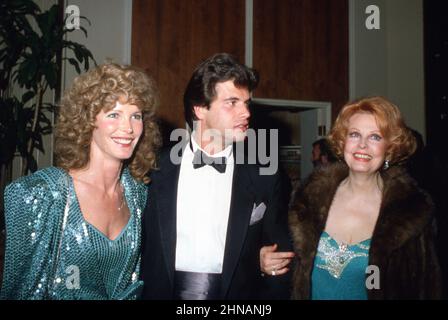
(363, 169)
(123, 156)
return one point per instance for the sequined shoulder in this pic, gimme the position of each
(34, 206)
(137, 189)
(40, 182)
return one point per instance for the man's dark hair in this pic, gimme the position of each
(220, 67)
(325, 149)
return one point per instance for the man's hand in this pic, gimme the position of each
(274, 263)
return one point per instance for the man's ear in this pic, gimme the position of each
(200, 111)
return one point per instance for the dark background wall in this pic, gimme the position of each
(300, 48)
(433, 175)
(436, 73)
(171, 37)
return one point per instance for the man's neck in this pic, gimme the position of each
(210, 144)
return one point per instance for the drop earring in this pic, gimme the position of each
(386, 165)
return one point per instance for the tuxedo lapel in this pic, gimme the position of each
(166, 211)
(242, 201)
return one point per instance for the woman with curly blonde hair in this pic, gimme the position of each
(74, 231)
(362, 229)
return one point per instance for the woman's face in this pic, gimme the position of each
(117, 132)
(365, 146)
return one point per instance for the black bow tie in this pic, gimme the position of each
(201, 159)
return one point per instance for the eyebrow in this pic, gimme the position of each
(374, 131)
(121, 111)
(236, 98)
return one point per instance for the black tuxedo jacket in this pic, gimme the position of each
(241, 275)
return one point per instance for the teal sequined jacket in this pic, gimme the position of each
(53, 253)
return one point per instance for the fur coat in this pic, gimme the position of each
(401, 245)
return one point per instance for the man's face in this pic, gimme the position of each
(315, 156)
(227, 119)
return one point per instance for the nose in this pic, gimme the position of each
(245, 112)
(363, 143)
(126, 125)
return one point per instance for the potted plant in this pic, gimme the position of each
(31, 54)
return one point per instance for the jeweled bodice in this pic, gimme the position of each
(339, 270)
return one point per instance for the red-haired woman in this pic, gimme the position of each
(362, 229)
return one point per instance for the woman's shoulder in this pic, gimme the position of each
(323, 181)
(403, 198)
(36, 197)
(400, 187)
(129, 179)
(135, 186)
(40, 182)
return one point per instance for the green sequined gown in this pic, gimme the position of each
(51, 254)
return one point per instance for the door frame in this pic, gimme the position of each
(315, 118)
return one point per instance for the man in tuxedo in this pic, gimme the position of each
(208, 215)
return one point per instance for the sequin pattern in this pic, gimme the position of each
(49, 258)
(337, 258)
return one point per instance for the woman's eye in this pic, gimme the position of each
(376, 137)
(112, 115)
(137, 116)
(353, 134)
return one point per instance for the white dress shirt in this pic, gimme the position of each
(203, 204)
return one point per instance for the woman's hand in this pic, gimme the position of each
(274, 263)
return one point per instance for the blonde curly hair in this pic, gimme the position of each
(99, 89)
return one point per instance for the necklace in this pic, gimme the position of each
(122, 199)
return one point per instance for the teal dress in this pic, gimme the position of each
(339, 271)
(52, 252)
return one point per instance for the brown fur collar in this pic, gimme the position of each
(405, 209)
(404, 213)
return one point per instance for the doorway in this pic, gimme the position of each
(299, 124)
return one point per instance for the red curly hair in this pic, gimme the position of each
(400, 142)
